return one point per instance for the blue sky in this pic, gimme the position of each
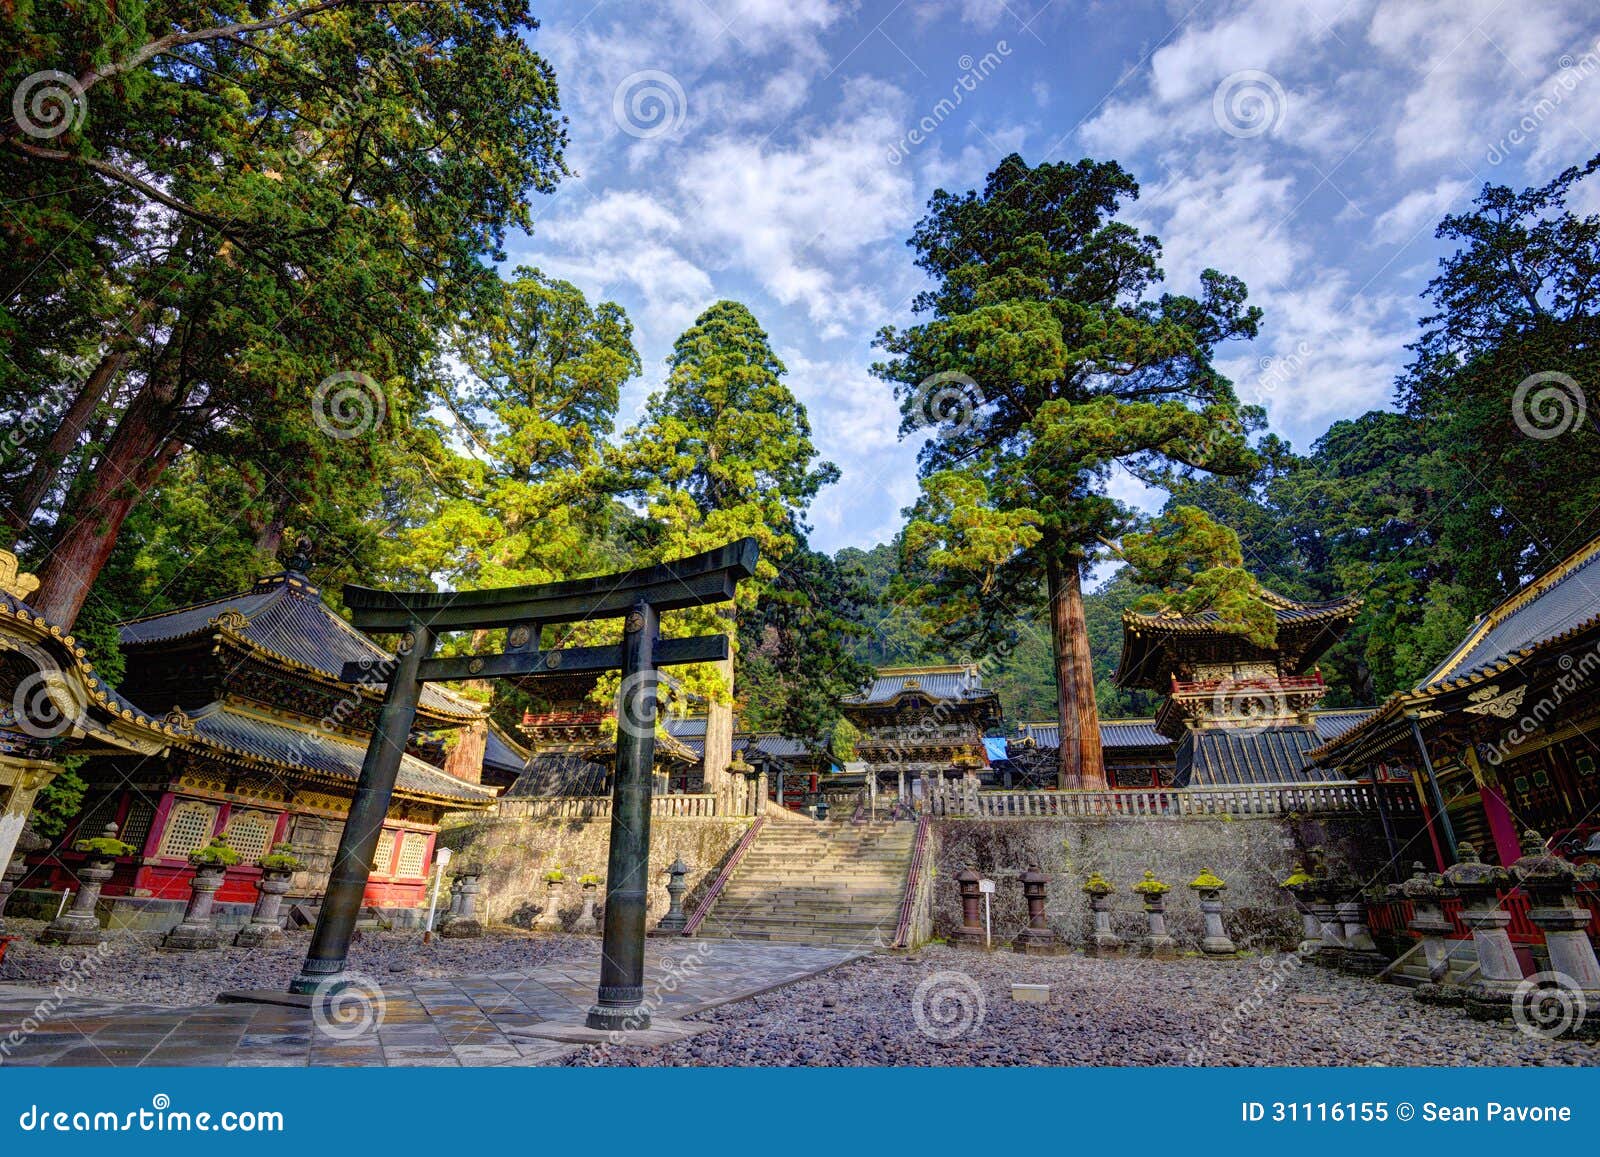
(780, 151)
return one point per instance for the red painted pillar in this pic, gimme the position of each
(1507, 847)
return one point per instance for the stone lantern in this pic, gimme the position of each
(79, 924)
(462, 922)
(1551, 883)
(277, 870)
(1299, 886)
(591, 886)
(198, 929)
(550, 917)
(1425, 892)
(1157, 942)
(1208, 887)
(1361, 954)
(27, 842)
(1037, 939)
(971, 933)
(1499, 973)
(1100, 890)
(675, 920)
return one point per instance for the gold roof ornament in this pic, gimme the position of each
(12, 580)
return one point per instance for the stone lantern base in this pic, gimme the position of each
(1035, 942)
(259, 936)
(72, 930)
(461, 928)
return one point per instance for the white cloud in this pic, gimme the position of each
(1419, 210)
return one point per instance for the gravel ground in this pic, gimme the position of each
(890, 1010)
(133, 968)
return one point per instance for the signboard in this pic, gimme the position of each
(985, 886)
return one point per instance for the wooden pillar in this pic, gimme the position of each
(620, 1001)
(1502, 827)
(347, 883)
(1445, 828)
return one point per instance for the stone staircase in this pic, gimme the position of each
(831, 883)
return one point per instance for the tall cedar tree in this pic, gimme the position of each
(344, 174)
(725, 451)
(1045, 362)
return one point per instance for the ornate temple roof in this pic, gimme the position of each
(43, 667)
(691, 730)
(263, 741)
(1228, 758)
(957, 682)
(560, 773)
(284, 618)
(1155, 646)
(1524, 631)
(502, 754)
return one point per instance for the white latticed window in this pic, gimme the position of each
(250, 833)
(188, 829)
(385, 852)
(413, 855)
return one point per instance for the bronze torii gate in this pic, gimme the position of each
(638, 596)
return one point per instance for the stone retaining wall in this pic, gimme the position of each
(1252, 855)
(516, 853)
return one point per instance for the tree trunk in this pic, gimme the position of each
(47, 468)
(139, 453)
(1081, 762)
(719, 742)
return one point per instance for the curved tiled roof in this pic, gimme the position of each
(1563, 600)
(501, 753)
(1288, 612)
(1227, 757)
(560, 774)
(1333, 723)
(104, 697)
(953, 683)
(1114, 733)
(276, 744)
(284, 616)
(1561, 603)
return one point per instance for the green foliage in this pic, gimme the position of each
(216, 854)
(280, 859)
(58, 801)
(106, 846)
(554, 876)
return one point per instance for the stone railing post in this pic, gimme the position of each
(1208, 887)
(1157, 943)
(675, 920)
(462, 922)
(1499, 972)
(1099, 890)
(971, 934)
(263, 929)
(1037, 939)
(1551, 883)
(198, 928)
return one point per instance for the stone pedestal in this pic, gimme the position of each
(550, 916)
(971, 933)
(1215, 942)
(1425, 892)
(1157, 943)
(198, 929)
(264, 930)
(1551, 883)
(462, 921)
(1103, 942)
(586, 916)
(675, 920)
(1489, 997)
(1360, 954)
(78, 924)
(1037, 939)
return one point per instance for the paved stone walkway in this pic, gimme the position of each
(507, 1018)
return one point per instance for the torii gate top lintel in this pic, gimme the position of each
(698, 580)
